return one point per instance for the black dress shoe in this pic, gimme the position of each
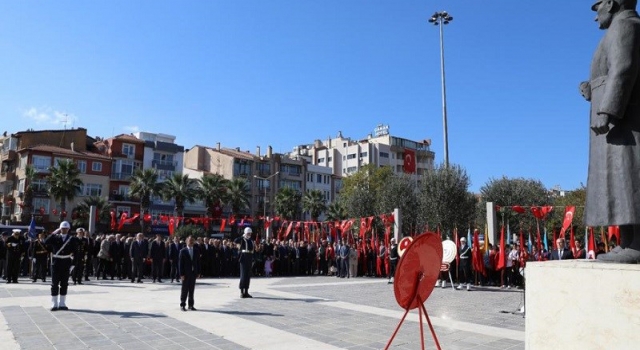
(33, 281)
(80, 282)
(63, 308)
(192, 308)
(242, 295)
(247, 295)
(55, 308)
(160, 281)
(183, 308)
(139, 281)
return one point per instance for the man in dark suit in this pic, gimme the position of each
(138, 252)
(189, 270)
(173, 252)
(157, 253)
(561, 252)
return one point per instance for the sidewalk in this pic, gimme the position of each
(285, 313)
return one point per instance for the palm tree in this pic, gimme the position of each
(144, 185)
(64, 183)
(212, 189)
(238, 195)
(313, 202)
(336, 212)
(181, 189)
(238, 198)
(27, 201)
(287, 203)
(83, 210)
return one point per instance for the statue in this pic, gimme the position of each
(613, 184)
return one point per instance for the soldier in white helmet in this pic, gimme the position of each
(245, 250)
(62, 245)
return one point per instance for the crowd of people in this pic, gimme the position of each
(136, 258)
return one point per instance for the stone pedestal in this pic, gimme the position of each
(582, 304)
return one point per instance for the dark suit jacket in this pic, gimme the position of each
(157, 251)
(139, 251)
(173, 251)
(189, 267)
(566, 254)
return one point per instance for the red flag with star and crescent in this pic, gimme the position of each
(409, 161)
(568, 219)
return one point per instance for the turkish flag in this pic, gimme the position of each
(568, 219)
(409, 161)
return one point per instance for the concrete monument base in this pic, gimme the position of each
(582, 304)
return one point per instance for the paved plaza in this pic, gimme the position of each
(285, 313)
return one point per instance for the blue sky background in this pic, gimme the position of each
(283, 73)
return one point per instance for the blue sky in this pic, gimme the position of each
(283, 73)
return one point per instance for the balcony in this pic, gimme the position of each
(8, 155)
(164, 164)
(122, 198)
(7, 176)
(121, 176)
(41, 193)
(122, 155)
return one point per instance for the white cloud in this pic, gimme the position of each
(132, 129)
(50, 116)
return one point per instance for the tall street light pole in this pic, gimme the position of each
(441, 19)
(264, 201)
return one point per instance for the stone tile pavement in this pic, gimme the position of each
(285, 313)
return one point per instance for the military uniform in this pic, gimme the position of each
(62, 247)
(14, 251)
(393, 260)
(39, 254)
(79, 256)
(245, 251)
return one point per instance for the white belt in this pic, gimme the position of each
(246, 251)
(63, 256)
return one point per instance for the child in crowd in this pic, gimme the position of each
(268, 265)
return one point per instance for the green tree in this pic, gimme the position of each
(238, 195)
(287, 203)
(445, 199)
(400, 192)
(313, 202)
(361, 190)
(144, 185)
(506, 193)
(81, 213)
(212, 189)
(27, 201)
(64, 183)
(336, 212)
(181, 189)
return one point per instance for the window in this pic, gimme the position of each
(351, 156)
(263, 184)
(41, 163)
(82, 166)
(291, 169)
(58, 160)
(363, 154)
(326, 179)
(96, 166)
(92, 190)
(128, 150)
(309, 177)
(329, 159)
(21, 184)
(384, 155)
(319, 178)
(264, 168)
(320, 160)
(344, 144)
(41, 205)
(241, 168)
(351, 169)
(39, 185)
(296, 185)
(123, 190)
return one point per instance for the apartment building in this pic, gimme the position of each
(346, 156)
(42, 150)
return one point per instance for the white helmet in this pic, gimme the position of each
(65, 224)
(247, 230)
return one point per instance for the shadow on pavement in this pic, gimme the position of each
(242, 313)
(119, 313)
